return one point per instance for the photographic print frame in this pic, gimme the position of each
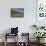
(17, 12)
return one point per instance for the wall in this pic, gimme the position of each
(24, 24)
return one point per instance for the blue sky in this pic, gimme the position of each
(20, 10)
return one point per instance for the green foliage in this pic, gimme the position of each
(41, 14)
(42, 10)
(39, 35)
(35, 27)
(40, 27)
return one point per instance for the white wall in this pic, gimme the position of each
(24, 24)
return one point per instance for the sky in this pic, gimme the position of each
(20, 10)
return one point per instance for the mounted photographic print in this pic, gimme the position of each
(17, 12)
